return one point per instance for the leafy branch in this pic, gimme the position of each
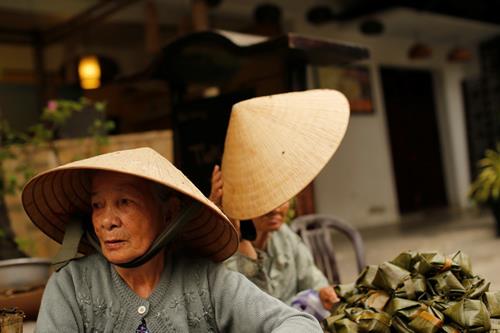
(486, 186)
(20, 147)
(16, 145)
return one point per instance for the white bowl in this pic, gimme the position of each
(23, 273)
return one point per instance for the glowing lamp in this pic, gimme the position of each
(89, 72)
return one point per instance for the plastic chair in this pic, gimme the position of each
(316, 232)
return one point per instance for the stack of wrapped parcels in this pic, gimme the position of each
(417, 292)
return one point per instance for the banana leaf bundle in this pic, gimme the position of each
(424, 292)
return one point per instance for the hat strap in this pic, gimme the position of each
(72, 235)
(187, 214)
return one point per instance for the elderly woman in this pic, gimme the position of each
(275, 146)
(129, 206)
(275, 259)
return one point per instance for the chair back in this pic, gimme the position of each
(316, 232)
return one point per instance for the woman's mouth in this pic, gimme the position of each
(114, 244)
(276, 217)
(275, 220)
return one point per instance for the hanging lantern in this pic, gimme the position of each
(89, 72)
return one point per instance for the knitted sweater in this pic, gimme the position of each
(193, 295)
(285, 268)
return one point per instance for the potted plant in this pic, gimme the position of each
(485, 189)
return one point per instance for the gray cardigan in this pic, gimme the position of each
(193, 295)
(285, 268)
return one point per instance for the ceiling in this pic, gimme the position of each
(479, 10)
(427, 19)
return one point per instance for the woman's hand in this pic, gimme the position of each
(216, 188)
(328, 297)
(246, 248)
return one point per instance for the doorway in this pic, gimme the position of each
(416, 150)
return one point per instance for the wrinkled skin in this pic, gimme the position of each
(126, 215)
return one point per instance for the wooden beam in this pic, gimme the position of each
(14, 36)
(83, 20)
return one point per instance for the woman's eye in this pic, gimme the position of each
(96, 205)
(125, 202)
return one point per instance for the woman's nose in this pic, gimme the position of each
(109, 219)
(278, 210)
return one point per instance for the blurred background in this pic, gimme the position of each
(421, 77)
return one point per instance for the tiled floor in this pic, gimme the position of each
(470, 232)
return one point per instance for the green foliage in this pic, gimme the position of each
(25, 244)
(486, 186)
(18, 146)
(292, 211)
(42, 135)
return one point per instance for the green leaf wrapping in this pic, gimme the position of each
(344, 325)
(345, 290)
(433, 262)
(398, 325)
(462, 263)
(369, 321)
(425, 322)
(476, 288)
(401, 307)
(390, 276)
(471, 314)
(413, 287)
(405, 260)
(495, 325)
(451, 328)
(417, 292)
(492, 300)
(376, 299)
(446, 284)
(367, 276)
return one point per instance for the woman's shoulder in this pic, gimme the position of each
(94, 260)
(189, 262)
(196, 268)
(80, 268)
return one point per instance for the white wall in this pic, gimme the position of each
(358, 184)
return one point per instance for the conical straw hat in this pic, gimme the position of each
(276, 145)
(52, 197)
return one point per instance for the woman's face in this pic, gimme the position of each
(127, 216)
(273, 220)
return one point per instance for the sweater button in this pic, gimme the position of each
(141, 309)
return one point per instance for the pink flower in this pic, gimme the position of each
(52, 105)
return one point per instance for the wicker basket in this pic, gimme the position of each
(11, 321)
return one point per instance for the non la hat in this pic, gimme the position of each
(276, 145)
(51, 198)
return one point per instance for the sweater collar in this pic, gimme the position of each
(128, 295)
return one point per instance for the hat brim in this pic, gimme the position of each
(52, 198)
